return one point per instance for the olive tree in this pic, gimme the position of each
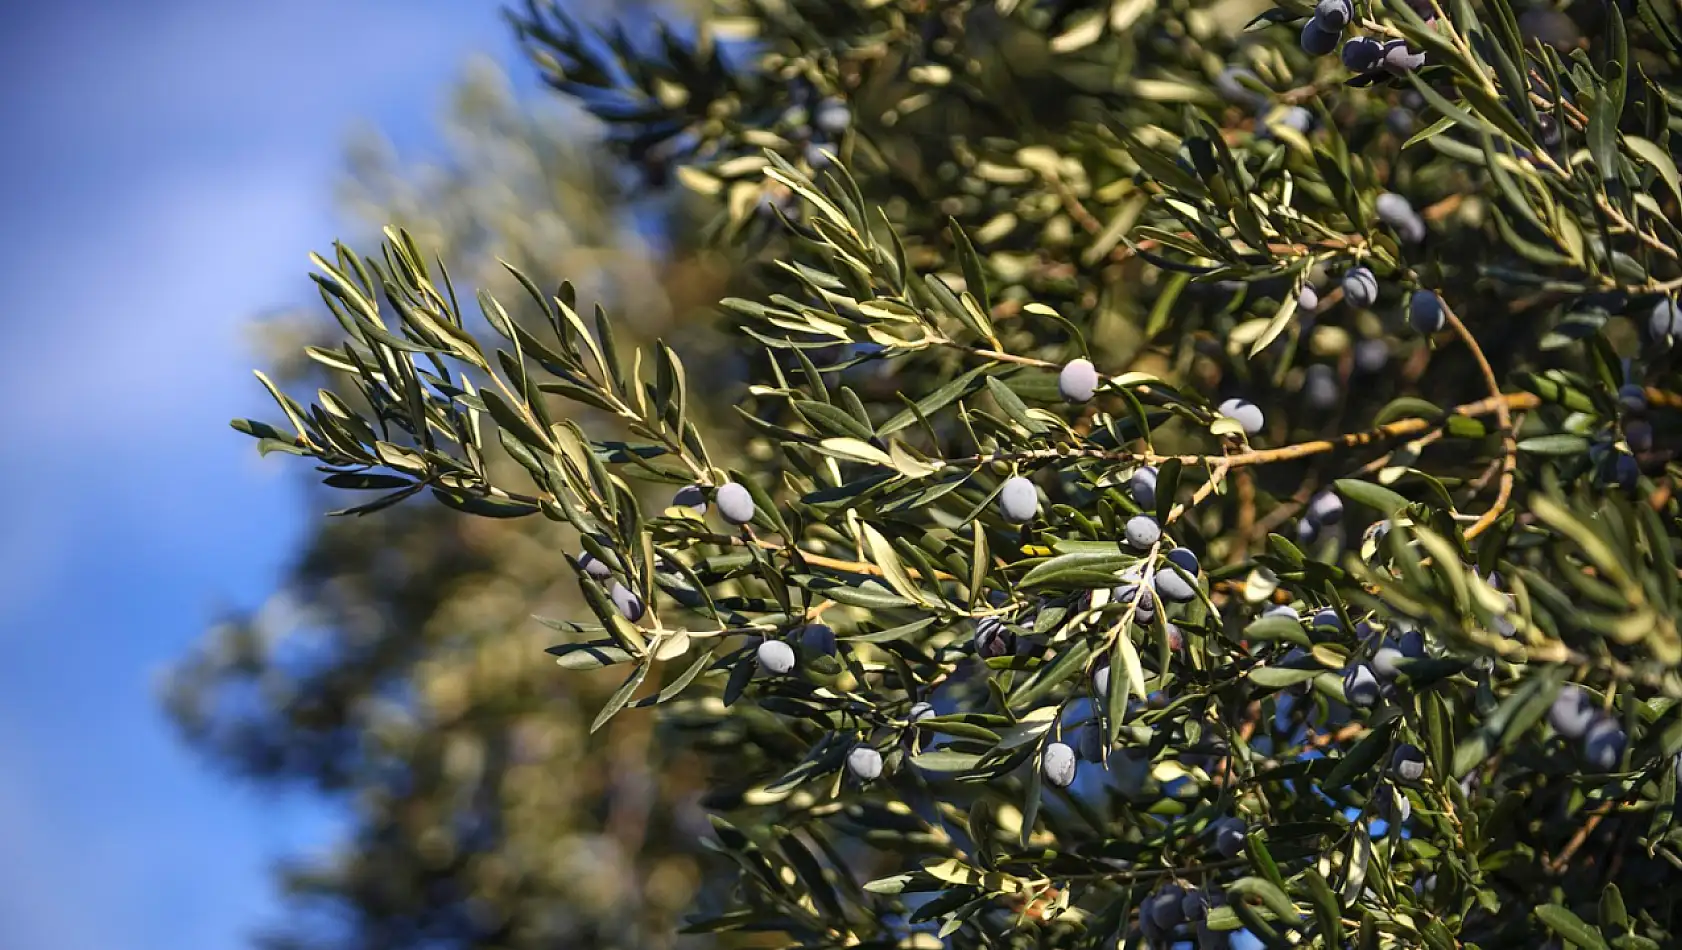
(1210, 473)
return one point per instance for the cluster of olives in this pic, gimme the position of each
(777, 657)
(1322, 31)
(1613, 465)
(1174, 580)
(1638, 432)
(1364, 54)
(1361, 54)
(1366, 682)
(735, 505)
(1575, 716)
(624, 599)
(1175, 912)
(1178, 912)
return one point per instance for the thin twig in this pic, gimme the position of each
(1013, 358)
(1286, 509)
(1503, 419)
(1558, 863)
(1499, 404)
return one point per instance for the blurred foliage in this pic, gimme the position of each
(1344, 331)
(397, 671)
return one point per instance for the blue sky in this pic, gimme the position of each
(168, 167)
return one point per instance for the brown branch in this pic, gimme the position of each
(1558, 863)
(1286, 509)
(1322, 739)
(1503, 419)
(1072, 204)
(1499, 404)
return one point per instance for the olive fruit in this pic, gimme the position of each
(630, 605)
(1078, 380)
(1172, 587)
(1325, 508)
(1633, 398)
(1372, 355)
(1603, 744)
(1142, 531)
(1316, 40)
(1407, 762)
(594, 567)
(832, 116)
(1091, 742)
(1572, 712)
(1398, 59)
(1411, 644)
(1639, 434)
(1393, 209)
(1019, 501)
(993, 639)
(1058, 764)
(1247, 414)
(1362, 54)
(692, 497)
(1425, 312)
(1186, 558)
(1386, 662)
(1320, 386)
(775, 657)
(735, 503)
(1229, 836)
(818, 638)
(1666, 320)
(1360, 287)
(865, 763)
(1165, 909)
(1334, 14)
(1360, 686)
(1142, 486)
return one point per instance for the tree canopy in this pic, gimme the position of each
(1204, 470)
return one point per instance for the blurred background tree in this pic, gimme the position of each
(398, 670)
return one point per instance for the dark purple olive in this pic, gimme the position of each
(1316, 40)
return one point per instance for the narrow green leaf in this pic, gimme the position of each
(620, 696)
(1571, 927)
(1377, 497)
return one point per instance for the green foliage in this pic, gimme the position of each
(1381, 702)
